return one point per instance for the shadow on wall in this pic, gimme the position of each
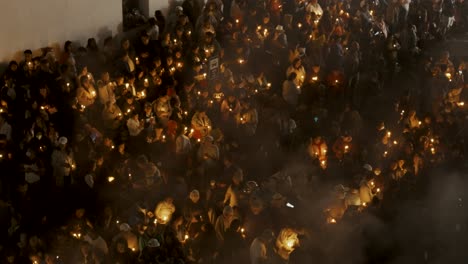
(57, 47)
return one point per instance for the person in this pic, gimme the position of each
(164, 210)
(290, 91)
(223, 223)
(86, 94)
(233, 192)
(259, 247)
(5, 128)
(63, 164)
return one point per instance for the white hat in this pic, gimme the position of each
(125, 227)
(153, 243)
(279, 28)
(195, 193)
(179, 8)
(63, 140)
(367, 167)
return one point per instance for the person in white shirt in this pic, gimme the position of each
(314, 7)
(5, 128)
(134, 125)
(258, 248)
(106, 89)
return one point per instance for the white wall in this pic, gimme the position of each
(148, 7)
(33, 24)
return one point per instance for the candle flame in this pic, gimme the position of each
(110, 179)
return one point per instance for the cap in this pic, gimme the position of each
(278, 196)
(279, 28)
(194, 194)
(63, 140)
(125, 227)
(153, 243)
(367, 167)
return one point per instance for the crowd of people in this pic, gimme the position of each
(210, 137)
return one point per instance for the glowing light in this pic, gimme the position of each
(461, 104)
(378, 190)
(186, 237)
(110, 179)
(314, 78)
(237, 21)
(268, 84)
(299, 25)
(133, 249)
(68, 84)
(127, 85)
(395, 142)
(389, 134)
(155, 221)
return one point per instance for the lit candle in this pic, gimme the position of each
(448, 75)
(68, 84)
(460, 104)
(110, 179)
(268, 85)
(395, 142)
(389, 134)
(127, 85)
(237, 21)
(314, 78)
(378, 190)
(299, 25)
(241, 61)
(146, 80)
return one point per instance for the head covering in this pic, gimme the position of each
(153, 243)
(367, 167)
(179, 8)
(279, 28)
(194, 194)
(125, 227)
(63, 140)
(278, 196)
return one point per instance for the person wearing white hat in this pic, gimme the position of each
(224, 222)
(63, 163)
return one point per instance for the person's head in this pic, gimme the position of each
(92, 45)
(237, 177)
(79, 213)
(194, 196)
(13, 66)
(228, 212)
(292, 76)
(84, 81)
(125, 44)
(105, 77)
(67, 47)
(28, 55)
(267, 236)
(144, 38)
(121, 245)
(134, 115)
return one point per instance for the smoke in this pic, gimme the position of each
(426, 222)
